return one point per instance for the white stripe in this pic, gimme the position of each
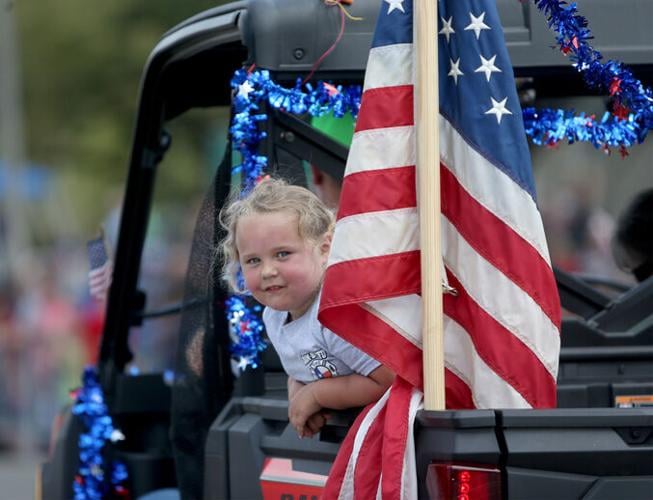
(99, 280)
(489, 390)
(98, 290)
(492, 188)
(381, 148)
(99, 283)
(403, 314)
(375, 234)
(100, 271)
(501, 298)
(347, 487)
(389, 66)
(409, 472)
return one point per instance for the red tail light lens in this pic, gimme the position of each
(463, 482)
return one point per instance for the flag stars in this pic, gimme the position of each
(487, 66)
(244, 89)
(447, 30)
(395, 5)
(498, 109)
(477, 24)
(455, 72)
(242, 363)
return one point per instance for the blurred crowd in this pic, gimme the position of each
(579, 231)
(49, 329)
(50, 326)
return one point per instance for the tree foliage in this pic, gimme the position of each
(81, 67)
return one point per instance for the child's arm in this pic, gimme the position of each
(293, 387)
(338, 393)
(353, 390)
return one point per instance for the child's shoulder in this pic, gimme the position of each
(273, 319)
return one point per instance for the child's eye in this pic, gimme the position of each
(252, 261)
(283, 254)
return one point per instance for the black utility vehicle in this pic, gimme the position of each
(230, 435)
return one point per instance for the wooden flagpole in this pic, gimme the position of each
(427, 111)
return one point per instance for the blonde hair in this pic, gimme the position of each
(314, 219)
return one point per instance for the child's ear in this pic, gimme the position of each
(325, 246)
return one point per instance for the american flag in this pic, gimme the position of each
(99, 275)
(502, 328)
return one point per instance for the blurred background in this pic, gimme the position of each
(69, 79)
(69, 82)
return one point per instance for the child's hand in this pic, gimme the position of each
(315, 422)
(302, 407)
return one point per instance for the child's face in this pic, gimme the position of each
(282, 270)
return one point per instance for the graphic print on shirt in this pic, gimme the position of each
(319, 364)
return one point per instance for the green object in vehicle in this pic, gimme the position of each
(338, 129)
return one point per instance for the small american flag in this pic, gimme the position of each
(99, 276)
(502, 327)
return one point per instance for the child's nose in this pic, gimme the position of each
(269, 269)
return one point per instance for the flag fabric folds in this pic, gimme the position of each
(100, 268)
(502, 327)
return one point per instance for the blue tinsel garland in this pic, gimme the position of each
(632, 116)
(255, 87)
(92, 481)
(246, 332)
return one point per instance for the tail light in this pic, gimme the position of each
(463, 482)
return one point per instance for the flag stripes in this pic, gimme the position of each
(376, 412)
(373, 282)
(471, 370)
(382, 148)
(340, 465)
(373, 249)
(374, 191)
(379, 115)
(484, 181)
(505, 354)
(495, 293)
(100, 268)
(376, 234)
(389, 66)
(499, 244)
(99, 280)
(457, 392)
(501, 337)
(372, 445)
(378, 337)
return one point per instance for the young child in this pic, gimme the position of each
(279, 236)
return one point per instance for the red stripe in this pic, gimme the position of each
(376, 190)
(337, 473)
(372, 335)
(500, 245)
(395, 436)
(386, 107)
(374, 278)
(504, 353)
(458, 395)
(368, 470)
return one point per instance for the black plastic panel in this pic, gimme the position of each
(591, 442)
(288, 36)
(250, 429)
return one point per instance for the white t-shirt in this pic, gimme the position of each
(309, 351)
